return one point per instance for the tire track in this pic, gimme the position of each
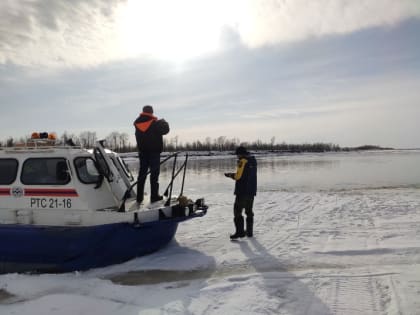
(360, 295)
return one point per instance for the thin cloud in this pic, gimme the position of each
(273, 21)
(85, 33)
(56, 32)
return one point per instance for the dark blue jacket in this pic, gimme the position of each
(149, 132)
(246, 177)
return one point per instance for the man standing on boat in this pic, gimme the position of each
(149, 137)
(245, 191)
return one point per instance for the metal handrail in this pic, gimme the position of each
(168, 190)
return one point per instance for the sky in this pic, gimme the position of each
(333, 71)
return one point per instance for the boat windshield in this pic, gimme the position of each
(86, 170)
(122, 165)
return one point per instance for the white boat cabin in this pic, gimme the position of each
(64, 185)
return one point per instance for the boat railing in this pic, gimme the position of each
(176, 170)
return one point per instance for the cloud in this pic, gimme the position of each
(273, 21)
(342, 89)
(52, 32)
(86, 33)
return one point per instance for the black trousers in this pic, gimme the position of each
(243, 202)
(148, 160)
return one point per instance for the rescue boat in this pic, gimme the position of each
(66, 208)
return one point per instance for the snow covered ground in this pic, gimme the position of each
(334, 234)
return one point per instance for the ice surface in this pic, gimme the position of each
(334, 234)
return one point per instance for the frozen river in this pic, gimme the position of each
(308, 172)
(335, 233)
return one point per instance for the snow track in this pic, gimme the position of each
(340, 251)
(358, 294)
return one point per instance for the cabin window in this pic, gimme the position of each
(45, 171)
(8, 171)
(86, 170)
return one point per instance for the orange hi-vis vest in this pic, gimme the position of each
(144, 126)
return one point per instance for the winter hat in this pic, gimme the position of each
(241, 151)
(148, 109)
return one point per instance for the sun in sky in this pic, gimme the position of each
(174, 30)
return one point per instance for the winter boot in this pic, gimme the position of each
(154, 192)
(250, 226)
(155, 198)
(239, 225)
(140, 192)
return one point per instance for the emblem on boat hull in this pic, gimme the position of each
(17, 192)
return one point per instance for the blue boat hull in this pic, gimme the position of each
(64, 249)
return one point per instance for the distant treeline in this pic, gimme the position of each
(119, 142)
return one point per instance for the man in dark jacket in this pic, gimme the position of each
(245, 191)
(149, 137)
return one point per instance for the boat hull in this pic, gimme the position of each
(64, 249)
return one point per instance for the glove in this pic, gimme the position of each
(230, 175)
